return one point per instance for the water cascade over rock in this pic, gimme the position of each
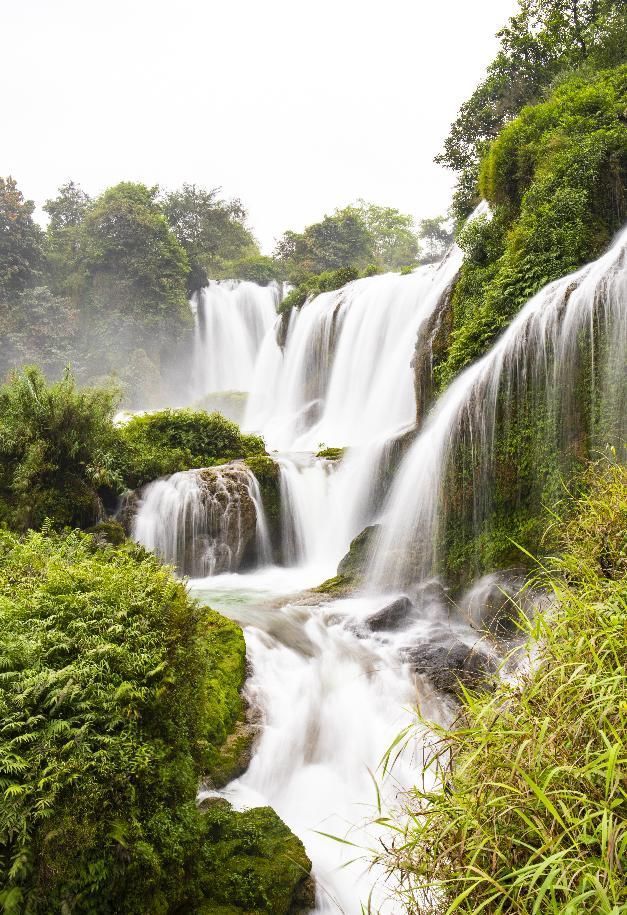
(344, 375)
(204, 521)
(567, 346)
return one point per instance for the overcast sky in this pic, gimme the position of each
(297, 107)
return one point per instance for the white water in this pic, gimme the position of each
(540, 347)
(232, 319)
(344, 376)
(332, 699)
(331, 694)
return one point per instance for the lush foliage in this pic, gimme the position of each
(57, 447)
(213, 232)
(165, 442)
(355, 237)
(20, 239)
(116, 693)
(533, 815)
(556, 178)
(543, 39)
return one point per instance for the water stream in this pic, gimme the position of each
(331, 691)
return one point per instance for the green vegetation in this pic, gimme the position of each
(117, 694)
(331, 454)
(357, 236)
(57, 448)
(542, 41)
(556, 178)
(534, 812)
(215, 235)
(162, 443)
(20, 240)
(62, 459)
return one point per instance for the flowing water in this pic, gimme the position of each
(330, 689)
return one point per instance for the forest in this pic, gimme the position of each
(362, 647)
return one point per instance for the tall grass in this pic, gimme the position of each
(531, 813)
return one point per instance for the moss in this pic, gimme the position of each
(339, 584)
(555, 178)
(332, 454)
(267, 473)
(252, 863)
(226, 653)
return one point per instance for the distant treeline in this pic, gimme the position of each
(105, 286)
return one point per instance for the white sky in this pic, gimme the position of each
(297, 107)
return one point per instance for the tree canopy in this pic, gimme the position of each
(20, 239)
(355, 236)
(545, 38)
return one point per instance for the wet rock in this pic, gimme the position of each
(353, 565)
(449, 666)
(394, 616)
(494, 603)
(129, 503)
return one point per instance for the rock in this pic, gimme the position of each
(494, 602)
(250, 859)
(129, 503)
(353, 565)
(451, 665)
(395, 616)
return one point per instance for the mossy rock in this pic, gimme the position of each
(267, 474)
(331, 454)
(252, 863)
(109, 532)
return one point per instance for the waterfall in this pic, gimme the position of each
(344, 376)
(573, 332)
(204, 521)
(231, 320)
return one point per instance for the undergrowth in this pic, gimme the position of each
(532, 815)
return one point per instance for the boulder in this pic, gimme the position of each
(394, 616)
(451, 665)
(353, 565)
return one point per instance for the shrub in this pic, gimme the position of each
(116, 694)
(56, 450)
(165, 442)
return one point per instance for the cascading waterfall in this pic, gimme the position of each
(344, 375)
(204, 521)
(333, 682)
(582, 316)
(232, 318)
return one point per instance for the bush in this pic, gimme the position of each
(165, 442)
(116, 693)
(322, 282)
(556, 180)
(56, 451)
(534, 812)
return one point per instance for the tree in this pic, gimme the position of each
(393, 238)
(358, 236)
(212, 231)
(340, 240)
(545, 38)
(20, 239)
(132, 259)
(63, 236)
(437, 235)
